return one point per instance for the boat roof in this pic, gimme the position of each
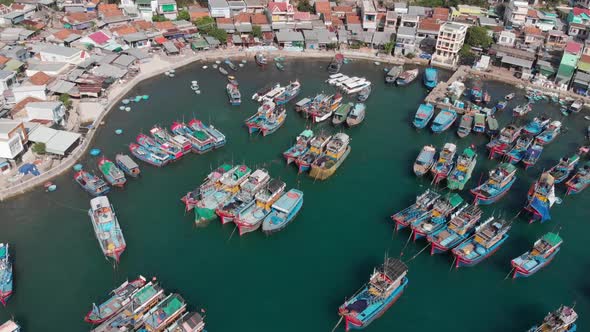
(127, 161)
(9, 326)
(303, 101)
(100, 201)
(552, 238)
(275, 184)
(455, 199)
(469, 152)
(394, 268)
(307, 133)
(288, 201)
(508, 167)
(395, 70)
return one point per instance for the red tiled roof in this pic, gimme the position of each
(124, 30)
(142, 25)
(342, 9)
(259, 19)
(198, 15)
(532, 30)
(429, 24)
(440, 14)
(302, 16)
(242, 18)
(337, 22)
(322, 7)
(532, 13)
(112, 13)
(280, 6)
(105, 7)
(353, 19)
(40, 78)
(99, 37)
(166, 25)
(3, 59)
(223, 20)
(579, 11)
(21, 104)
(573, 47)
(16, 6)
(78, 18)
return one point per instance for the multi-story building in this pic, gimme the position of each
(13, 137)
(168, 9)
(369, 16)
(516, 13)
(451, 37)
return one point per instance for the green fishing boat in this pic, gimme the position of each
(463, 169)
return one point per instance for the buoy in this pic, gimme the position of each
(241, 65)
(50, 187)
(127, 109)
(198, 92)
(205, 67)
(95, 152)
(171, 75)
(146, 97)
(122, 108)
(78, 167)
(125, 101)
(118, 131)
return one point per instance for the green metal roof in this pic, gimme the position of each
(455, 199)
(508, 167)
(469, 152)
(307, 133)
(552, 238)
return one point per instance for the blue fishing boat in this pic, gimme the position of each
(500, 181)
(273, 121)
(445, 162)
(300, 147)
(500, 144)
(233, 92)
(5, 273)
(164, 313)
(532, 155)
(437, 217)
(443, 121)
(561, 320)
(112, 173)
(549, 134)
(251, 217)
(463, 169)
(580, 180)
(153, 157)
(541, 197)
(291, 91)
(461, 226)
(564, 168)
(254, 122)
(385, 286)
(425, 160)
(127, 165)
(519, 150)
(115, 303)
(487, 239)
(91, 183)
(424, 203)
(543, 252)
(106, 227)
(317, 146)
(501, 105)
(476, 95)
(430, 78)
(283, 211)
(423, 115)
(479, 123)
(255, 183)
(536, 126)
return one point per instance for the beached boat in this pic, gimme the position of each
(300, 147)
(479, 123)
(106, 227)
(317, 145)
(356, 115)
(561, 320)
(518, 151)
(496, 186)
(248, 189)
(443, 121)
(209, 185)
(576, 106)
(430, 78)
(463, 169)
(580, 180)
(445, 162)
(127, 165)
(543, 252)
(385, 286)
(273, 121)
(337, 149)
(6, 276)
(485, 242)
(425, 160)
(260, 59)
(522, 110)
(499, 145)
(336, 64)
(119, 298)
(536, 126)
(465, 125)
(407, 77)
(364, 94)
(493, 126)
(461, 226)
(164, 313)
(112, 173)
(235, 98)
(532, 155)
(423, 115)
(436, 218)
(564, 168)
(155, 158)
(392, 75)
(283, 211)
(341, 114)
(415, 211)
(91, 183)
(549, 134)
(291, 91)
(541, 197)
(250, 218)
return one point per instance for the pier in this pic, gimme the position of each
(436, 96)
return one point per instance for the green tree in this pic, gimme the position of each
(256, 31)
(38, 148)
(388, 47)
(66, 100)
(205, 24)
(183, 15)
(219, 34)
(410, 55)
(304, 6)
(478, 37)
(465, 51)
(159, 18)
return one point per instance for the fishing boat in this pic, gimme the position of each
(273, 121)
(6, 276)
(232, 179)
(576, 106)
(212, 134)
(208, 203)
(232, 80)
(300, 147)
(479, 123)
(437, 217)
(423, 115)
(235, 98)
(461, 226)
(430, 78)
(355, 86)
(356, 115)
(385, 286)
(487, 239)
(500, 145)
(445, 162)
(222, 70)
(543, 252)
(580, 180)
(127, 165)
(317, 145)
(272, 95)
(251, 217)
(536, 126)
(291, 91)
(493, 126)
(166, 143)
(443, 121)
(407, 77)
(541, 197)
(209, 185)
(364, 94)
(549, 134)
(106, 227)
(112, 173)
(336, 64)
(10, 326)
(155, 148)
(155, 158)
(499, 182)
(532, 155)
(564, 168)
(248, 189)
(280, 66)
(517, 153)
(465, 125)
(254, 122)
(260, 59)
(120, 297)
(164, 313)
(561, 320)
(283, 211)
(231, 65)
(501, 105)
(91, 183)
(393, 74)
(476, 95)
(324, 107)
(415, 211)
(341, 114)
(303, 104)
(522, 110)
(486, 97)
(463, 169)
(509, 96)
(425, 160)
(337, 149)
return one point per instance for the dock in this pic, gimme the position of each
(436, 96)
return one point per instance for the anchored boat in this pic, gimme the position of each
(549, 134)
(543, 252)
(291, 91)
(112, 173)
(564, 168)
(341, 114)
(532, 155)
(337, 149)
(336, 64)
(499, 182)
(536, 126)
(541, 197)
(461, 226)
(465, 125)
(209, 185)
(522, 110)
(393, 74)
(485, 242)
(499, 145)
(248, 189)
(579, 181)
(127, 165)
(517, 153)
(407, 77)
(437, 217)
(6, 276)
(120, 297)
(430, 78)
(423, 115)
(154, 157)
(415, 211)
(443, 121)
(283, 211)
(463, 169)
(233, 92)
(91, 183)
(364, 94)
(425, 160)
(250, 218)
(317, 146)
(445, 162)
(164, 313)
(106, 227)
(356, 115)
(300, 147)
(493, 126)
(479, 123)
(260, 59)
(561, 320)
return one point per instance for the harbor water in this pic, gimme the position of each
(293, 280)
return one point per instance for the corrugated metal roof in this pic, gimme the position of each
(517, 62)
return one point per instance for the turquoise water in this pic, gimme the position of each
(296, 279)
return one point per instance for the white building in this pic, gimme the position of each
(515, 13)
(24, 91)
(219, 8)
(13, 137)
(369, 16)
(55, 53)
(168, 9)
(451, 37)
(507, 38)
(53, 111)
(6, 80)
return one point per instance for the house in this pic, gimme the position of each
(262, 21)
(506, 38)
(13, 137)
(451, 37)
(533, 36)
(323, 7)
(226, 24)
(515, 13)
(242, 23)
(427, 33)
(289, 38)
(12, 18)
(219, 8)
(369, 15)
(24, 91)
(441, 14)
(137, 40)
(280, 12)
(319, 38)
(167, 8)
(196, 12)
(578, 21)
(568, 64)
(547, 21)
(49, 111)
(353, 23)
(409, 21)
(146, 8)
(555, 39)
(55, 53)
(400, 7)
(390, 21)
(513, 58)
(64, 37)
(341, 11)
(236, 7)
(255, 6)
(380, 38)
(467, 10)
(79, 21)
(489, 22)
(405, 42)
(7, 80)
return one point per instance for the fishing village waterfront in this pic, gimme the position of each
(341, 233)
